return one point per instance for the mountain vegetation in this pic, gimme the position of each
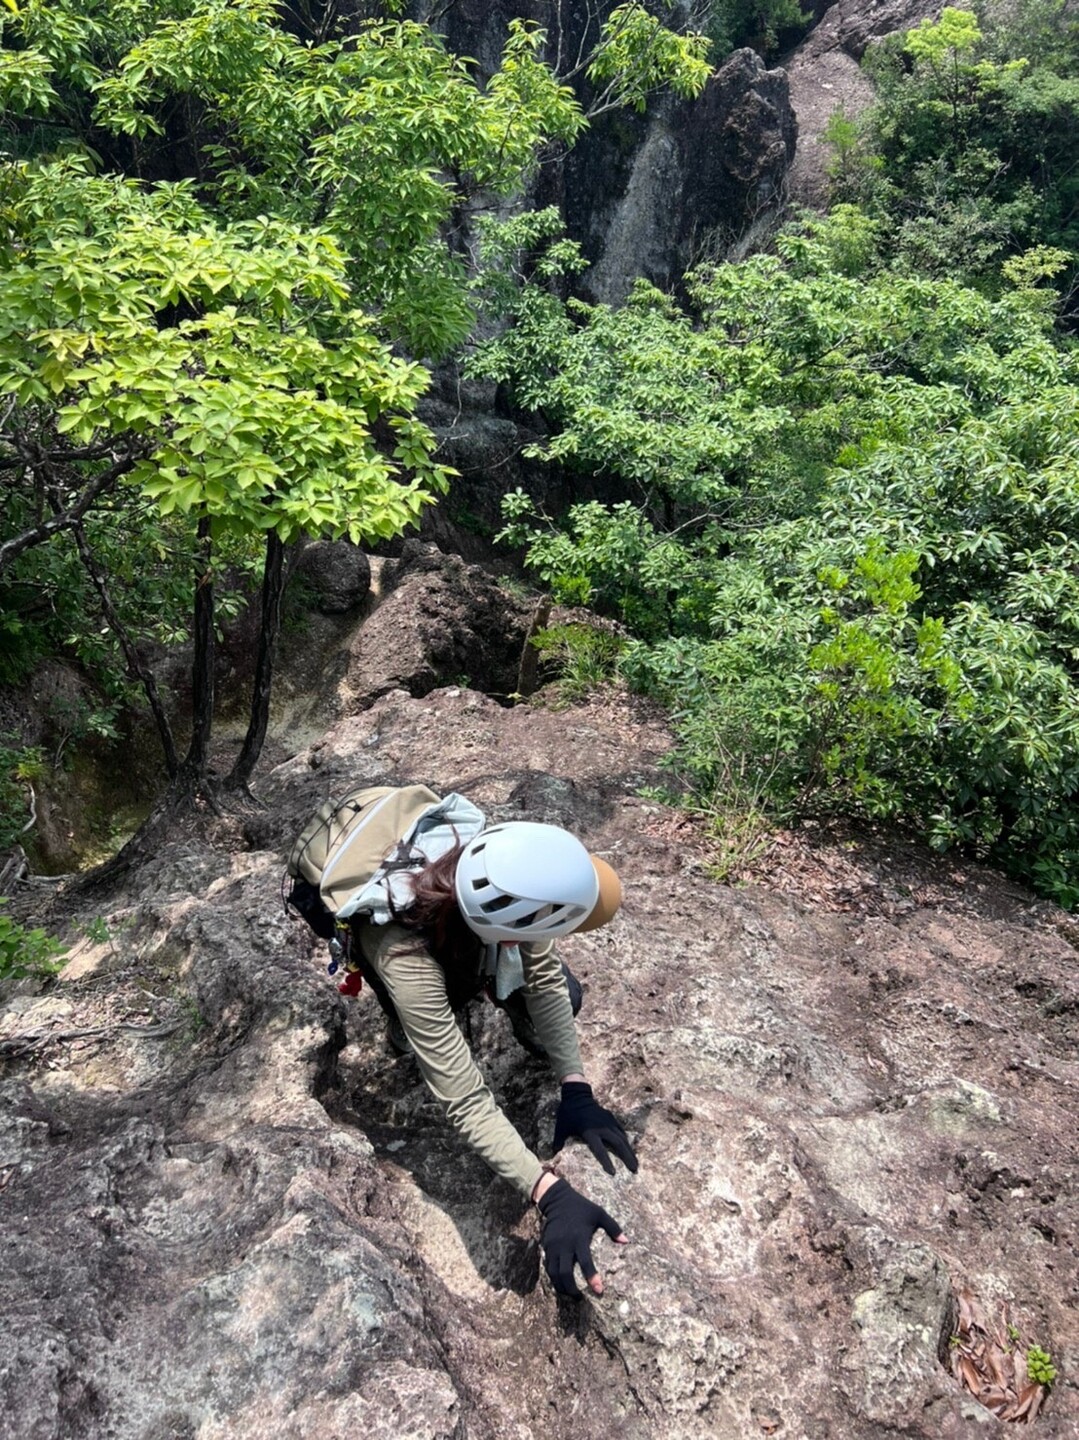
(846, 552)
(226, 226)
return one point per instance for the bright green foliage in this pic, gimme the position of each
(1045, 29)
(969, 151)
(853, 168)
(24, 82)
(616, 560)
(257, 410)
(637, 55)
(213, 235)
(25, 953)
(943, 45)
(1040, 1367)
(852, 556)
(359, 137)
(585, 656)
(372, 139)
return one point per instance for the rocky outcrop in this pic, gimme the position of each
(229, 1212)
(440, 622)
(824, 74)
(654, 196)
(647, 194)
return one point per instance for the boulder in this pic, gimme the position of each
(337, 573)
(441, 621)
(646, 194)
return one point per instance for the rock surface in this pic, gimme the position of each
(228, 1212)
(652, 198)
(440, 621)
(824, 74)
(337, 573)
(646, 195)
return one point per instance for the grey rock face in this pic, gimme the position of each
(257, 1223)
(339, 574)
(648, 195)
(652, 197)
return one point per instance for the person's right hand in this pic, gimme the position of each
(569, 1222)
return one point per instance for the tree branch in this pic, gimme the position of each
(67, 519)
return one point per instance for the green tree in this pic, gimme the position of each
(968, 155)
(255, 413)
(209, 326)
(766, 25)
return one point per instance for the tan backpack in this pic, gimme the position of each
(354, 855)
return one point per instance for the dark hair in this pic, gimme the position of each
(436, 917)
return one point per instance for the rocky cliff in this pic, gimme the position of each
(229, 1212)
(824, 75)
(656, 195)
(646, 194)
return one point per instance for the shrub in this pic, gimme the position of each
(25, 953)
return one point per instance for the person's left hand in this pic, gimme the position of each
(580, 1115)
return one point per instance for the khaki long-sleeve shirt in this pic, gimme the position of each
(417, 988)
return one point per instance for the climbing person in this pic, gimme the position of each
(420, 897)
(483, 917)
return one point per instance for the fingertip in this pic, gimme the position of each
(596, 1285)
(621, 1238)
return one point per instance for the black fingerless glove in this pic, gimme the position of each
(579, 1115)
(569, 1222)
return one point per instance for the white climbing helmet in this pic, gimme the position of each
(523, 881)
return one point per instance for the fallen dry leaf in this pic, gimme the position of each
(1036, 1404)
(971, 1378)
(1019, 1359)
(1026, 1400)
(988, 1359)
(993, 1359)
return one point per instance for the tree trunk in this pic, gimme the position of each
(273, 589)
(528, 667)
(135, 668)
(196, 762)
